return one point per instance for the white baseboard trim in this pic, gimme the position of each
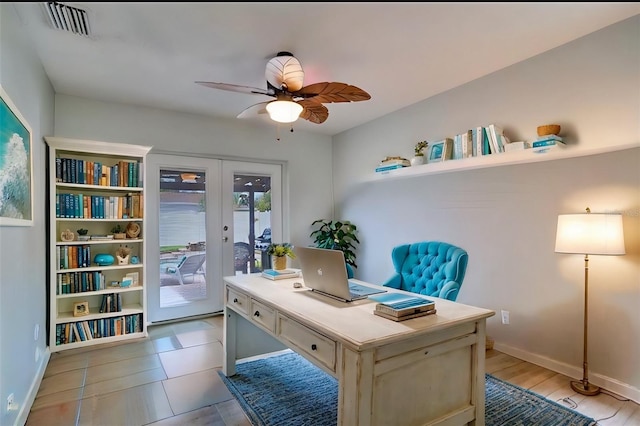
(612, 385)
(25, 409)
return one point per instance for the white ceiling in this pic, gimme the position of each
(151, 54)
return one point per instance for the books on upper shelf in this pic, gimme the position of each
(547, 143)
(394, 161)
(280, 274)
(386, 168)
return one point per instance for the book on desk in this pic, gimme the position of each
(399, 306)
(280, 274)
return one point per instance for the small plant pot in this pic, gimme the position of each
(120, 236)
(123, 260)
(279, 262)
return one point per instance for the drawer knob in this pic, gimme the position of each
(256, 314)
(235, 300)
(314, 347)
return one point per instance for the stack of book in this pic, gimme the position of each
(392, 164)
(280, 274)
(400, 307)
(547, 143)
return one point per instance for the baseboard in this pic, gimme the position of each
(25, 409)
(612, 385)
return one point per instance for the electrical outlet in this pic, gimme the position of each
(11, 403)
(505, 317)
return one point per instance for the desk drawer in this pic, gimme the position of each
(304, 339)
(238, 301)
(263, 315)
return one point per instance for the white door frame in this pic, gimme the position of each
(219, 202)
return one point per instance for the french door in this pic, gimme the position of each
(207, 220)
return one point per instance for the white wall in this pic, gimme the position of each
(23, 301)
(505, 217)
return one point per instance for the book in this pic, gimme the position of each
(406, 317)
(280, 274)
(549, 138)
(395, 161)
(401, 312)
(547, 142)
(389, 167)
(495, 139)
(543, 149)
(395, 303)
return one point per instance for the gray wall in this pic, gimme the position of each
(23, 302)
(505, 217)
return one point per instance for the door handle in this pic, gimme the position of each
(225, 239)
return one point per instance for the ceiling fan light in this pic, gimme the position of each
(284, 111)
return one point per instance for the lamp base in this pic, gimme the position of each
(585, 388)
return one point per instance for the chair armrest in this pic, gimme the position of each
(394, 281)
(449, 291)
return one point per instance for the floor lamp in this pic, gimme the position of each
(587, 234)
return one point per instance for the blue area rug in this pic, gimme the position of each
(287, 390)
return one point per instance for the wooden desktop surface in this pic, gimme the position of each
(354, 322)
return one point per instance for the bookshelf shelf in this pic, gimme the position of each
(94, 186)
(493, 160)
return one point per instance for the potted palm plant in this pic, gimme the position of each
(279, 253)
(337, 235)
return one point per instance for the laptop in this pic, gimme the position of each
(325, 272)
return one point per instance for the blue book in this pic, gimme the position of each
(389, 167)
(548, 142)
(400, 301)
(273, 274)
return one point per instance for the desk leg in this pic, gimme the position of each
(230, 342)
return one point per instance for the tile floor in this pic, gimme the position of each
(169, 378)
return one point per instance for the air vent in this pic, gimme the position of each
(67, 18)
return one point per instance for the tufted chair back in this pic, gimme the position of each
(432, 268)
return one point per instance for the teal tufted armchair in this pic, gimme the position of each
(432, 268)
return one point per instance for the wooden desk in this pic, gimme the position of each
(427, 370)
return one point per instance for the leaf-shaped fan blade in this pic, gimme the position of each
(314, 111)
(236, 88)
(285, 72)
(254, 110)
(332, 92)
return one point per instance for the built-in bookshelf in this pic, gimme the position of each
(97, 289)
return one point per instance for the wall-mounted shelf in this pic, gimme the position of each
(493, 160)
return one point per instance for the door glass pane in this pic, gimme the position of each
(182, 225)
(251, 222)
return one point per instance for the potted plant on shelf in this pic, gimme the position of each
(82, 234)
(279, 253)
(338, 235)
(418, 157)
(119, 233)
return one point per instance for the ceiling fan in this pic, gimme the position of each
(285, 77)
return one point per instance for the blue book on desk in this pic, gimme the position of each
(399, 301)
(273, 274)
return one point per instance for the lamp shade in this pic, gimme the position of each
(284, 111)
(590, 233)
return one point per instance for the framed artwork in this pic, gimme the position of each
(440, 150)
(16, 166)
(80, 309)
